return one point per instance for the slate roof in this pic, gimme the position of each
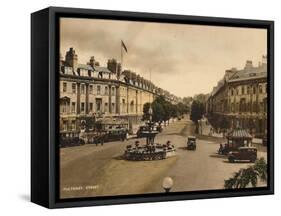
(249, 73)
(85, 66)
(102, 69)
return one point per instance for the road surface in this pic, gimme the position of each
(90, 170)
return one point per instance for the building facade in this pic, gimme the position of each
(89, 92)
(240, 99)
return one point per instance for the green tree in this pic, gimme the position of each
(248, 176)
(163, 110)
(197, 111)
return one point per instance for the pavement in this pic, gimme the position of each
(90, 170)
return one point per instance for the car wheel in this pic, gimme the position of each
(231, 159)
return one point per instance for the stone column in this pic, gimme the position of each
(117, 98)
(78, 98)
(87, 98)
(109, 99)
(137, 102)
(127, 99)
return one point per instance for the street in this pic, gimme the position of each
(90, 170)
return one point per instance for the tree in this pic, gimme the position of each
(158, 112)
(248, 176)
(163, 110)
(197, 111)
(146, 107)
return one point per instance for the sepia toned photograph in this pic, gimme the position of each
(157, 108)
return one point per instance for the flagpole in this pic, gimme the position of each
(121, 51)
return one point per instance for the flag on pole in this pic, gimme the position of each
(124, 46)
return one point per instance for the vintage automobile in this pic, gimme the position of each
(68, 139)
(115, 134)
(235, 138)
(243, 154)
(191, 143)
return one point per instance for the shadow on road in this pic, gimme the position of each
(119, 157)
(217, 156)
(238, 162)
(183, 148)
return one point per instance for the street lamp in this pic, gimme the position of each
(167, 184)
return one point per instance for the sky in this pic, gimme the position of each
(183, 59)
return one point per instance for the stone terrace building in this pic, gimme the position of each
(89, 92)
(240, 99)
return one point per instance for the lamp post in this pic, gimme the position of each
(167, 184)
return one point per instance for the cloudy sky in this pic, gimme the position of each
(183, 59)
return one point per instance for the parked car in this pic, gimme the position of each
(116, 134)
(67, 141)
(243, 154)
(191, 143)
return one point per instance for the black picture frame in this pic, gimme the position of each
(44, 106)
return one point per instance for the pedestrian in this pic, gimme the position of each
(221, 149)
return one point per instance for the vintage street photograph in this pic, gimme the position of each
(150, 107)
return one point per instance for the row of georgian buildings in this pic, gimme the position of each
(89, 92)
(240, 99)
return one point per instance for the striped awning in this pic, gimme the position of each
(239, 134)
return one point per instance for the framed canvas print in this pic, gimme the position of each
(139, 107)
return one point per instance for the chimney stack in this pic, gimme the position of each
(71, 59)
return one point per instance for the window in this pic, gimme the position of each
(73, 107)
(237, 91)
(260, 89)
(98, 104)
(63, 107)
(91, 89)
(105, 107)
(82, 107)
(132, 106)
(248, 89)
(242, 105)
(243, 90)
(112, 91)
(64, 125)
(73, 88)
(113, 107)
(232, 92)
(64, 87)
(82, 89)
(73, 124)
(106, 90)
(98, 90)
(91, 107)
(254, 90)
